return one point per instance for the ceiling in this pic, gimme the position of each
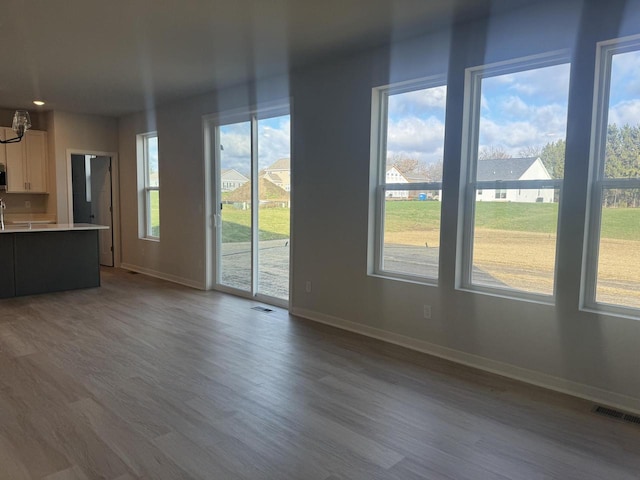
(119, 56)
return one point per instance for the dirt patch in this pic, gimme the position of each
(526, 261)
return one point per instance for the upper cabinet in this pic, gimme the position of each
(26, 162)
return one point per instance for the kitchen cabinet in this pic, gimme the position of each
(7, 280)
(26, 162)
(48, 258)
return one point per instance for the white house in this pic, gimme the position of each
(279, 172)
(232, 179)
(530, 168)
(394, 175)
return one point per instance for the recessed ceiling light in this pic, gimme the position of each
(38, 102)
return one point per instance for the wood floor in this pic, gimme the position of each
(144, 379)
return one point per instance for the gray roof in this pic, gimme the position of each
(281, 164)
(233, 174)
(503, 168)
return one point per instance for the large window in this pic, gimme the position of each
(150, 186)
(516, 116)
(613, 266)
(408, 167)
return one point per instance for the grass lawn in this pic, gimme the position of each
(411, 219)
(513, 242)
(236, 224)
(403, 216)
(155, 212)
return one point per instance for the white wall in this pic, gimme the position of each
(78, 132)
(180, 253)
(558, 345)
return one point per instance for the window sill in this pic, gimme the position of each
(507, 295)
(151, 239)
(429, 282)
(611, 311)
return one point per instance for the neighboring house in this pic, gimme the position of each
(394, 175)
(530, 168)
(232, 179)
(279, 173)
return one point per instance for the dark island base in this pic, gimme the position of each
(43, 262)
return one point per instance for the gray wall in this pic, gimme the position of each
(591, 355)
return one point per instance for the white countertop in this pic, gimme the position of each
(50, 227)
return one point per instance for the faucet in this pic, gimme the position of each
(2, 208)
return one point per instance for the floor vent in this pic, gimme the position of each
(612, 413)
(262, 309)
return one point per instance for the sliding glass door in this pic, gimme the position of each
(253, 212)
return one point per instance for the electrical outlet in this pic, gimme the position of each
(27, 204)
(307, 287)
(427, 311)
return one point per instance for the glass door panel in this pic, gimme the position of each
(274, 188)
(235, 236)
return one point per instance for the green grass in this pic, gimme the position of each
(617, 223)
(402, 216)
(236, 224)
(519, 217)
(155, 212)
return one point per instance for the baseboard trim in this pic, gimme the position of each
(163, 276)
(580, 390)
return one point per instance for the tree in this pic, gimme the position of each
(493, 151)
(530, 151)
(434, 172)
(552, 156)
(407, 165)
(622, 160)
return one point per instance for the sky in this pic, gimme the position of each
(273, 143)
(624, 97)
(152, 149)
(415, 125)
(518, 110)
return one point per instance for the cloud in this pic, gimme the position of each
(524, 109)
(235, 142)
(274, 140)
(625, 77)
(417, 138)
(514, 107)
(519, 126)
(626, 112)
(539, 85)
(421, 103)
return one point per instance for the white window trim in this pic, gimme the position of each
(380, 96)
(598, 183)
(144, 211)
(469, 185)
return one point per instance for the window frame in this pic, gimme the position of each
(598, 183)
(380, 97)
(470, 185)
(146, 188)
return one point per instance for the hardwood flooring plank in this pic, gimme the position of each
(143, 379)
(80, 445)
(73, 473)
(11, 468)
(195, 460)
(137, 453)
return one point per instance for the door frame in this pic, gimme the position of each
(115, 195)
(213, 196)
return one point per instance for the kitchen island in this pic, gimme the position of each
(41, 258)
